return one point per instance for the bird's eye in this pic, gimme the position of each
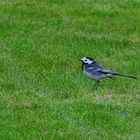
(85, 60)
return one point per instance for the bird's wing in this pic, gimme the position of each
(97, 68)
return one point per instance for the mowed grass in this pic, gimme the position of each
(43, 93)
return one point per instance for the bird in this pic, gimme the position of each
(96, 72)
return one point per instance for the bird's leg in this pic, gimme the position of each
(96, 85)
(94, 88)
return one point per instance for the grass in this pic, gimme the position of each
(43, 93)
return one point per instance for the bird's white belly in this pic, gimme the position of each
(91, 76)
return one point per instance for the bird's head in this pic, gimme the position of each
(87, 60)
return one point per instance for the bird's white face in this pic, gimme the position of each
(86, 60)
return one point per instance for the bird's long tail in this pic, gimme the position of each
(124, 75)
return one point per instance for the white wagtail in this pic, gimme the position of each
(96, 72)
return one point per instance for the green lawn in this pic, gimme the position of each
(43, 93)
